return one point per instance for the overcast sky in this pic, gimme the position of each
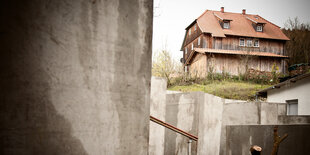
(173, 16)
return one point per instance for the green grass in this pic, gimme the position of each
(225, 89)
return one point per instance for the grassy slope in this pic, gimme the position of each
(225, 89)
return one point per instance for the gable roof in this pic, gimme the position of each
(240, 25)
(279, 85)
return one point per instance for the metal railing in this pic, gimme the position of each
(173, 128)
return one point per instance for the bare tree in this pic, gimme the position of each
(277, 140)
(298, 47)
(163, 65)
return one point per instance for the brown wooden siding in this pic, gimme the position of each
(265, 45)
(232, 64)
(194, 34)
(200, 64)
(195, 44)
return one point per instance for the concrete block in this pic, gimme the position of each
(157, 110)
(182, 112)
(210, 125)
(75, 76)
(268, 113)
(242, 137)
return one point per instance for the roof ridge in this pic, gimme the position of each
(203, 13)
(269, 21)
(217, 16)
(232, 12)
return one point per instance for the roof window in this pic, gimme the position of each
(259, 28)
(226, 25)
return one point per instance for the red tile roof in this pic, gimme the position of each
(240, 25)
(253, 53)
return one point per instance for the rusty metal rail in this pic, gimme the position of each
(175, 129)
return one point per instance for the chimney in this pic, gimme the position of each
(243, 11)
(222, 9)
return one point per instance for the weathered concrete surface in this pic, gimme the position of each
(214, 116)
(242, 137)
(248, 113)
(75, 76)
(173, 92)
(158, 110)
(210, 123)
(182, 111)
(294, 119)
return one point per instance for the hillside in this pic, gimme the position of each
(237, 90)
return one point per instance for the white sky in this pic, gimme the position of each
(173, 16)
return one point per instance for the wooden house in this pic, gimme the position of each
(219, 41)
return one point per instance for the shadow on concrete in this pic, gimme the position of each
(29, 122)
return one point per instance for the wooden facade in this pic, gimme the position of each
(202, 63)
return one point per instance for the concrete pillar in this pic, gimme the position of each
(157, 110)
(75, 76)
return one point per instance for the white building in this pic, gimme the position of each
(295, 92)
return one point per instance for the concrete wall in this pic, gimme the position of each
(291, 91)
(158, 110)
(182, 112)
(242, 137)
(210, 125)
(247, 113)
(215, 114)
(209, 117)
(75, 76)
(294, 119)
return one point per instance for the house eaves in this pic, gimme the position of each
(279, 85)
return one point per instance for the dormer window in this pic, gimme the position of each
(259, 28)
(226, 25)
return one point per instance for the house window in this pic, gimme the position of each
(249, 43)
(198, 41)
(185, 50)
(259, 28)
(189, 33)
(256, 43)
(195, 28)
(226, 25)
(186, 69)
(192, 46)
(292, 107)
(241, 42)
(204, 44)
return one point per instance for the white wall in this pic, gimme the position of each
(299, 90)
